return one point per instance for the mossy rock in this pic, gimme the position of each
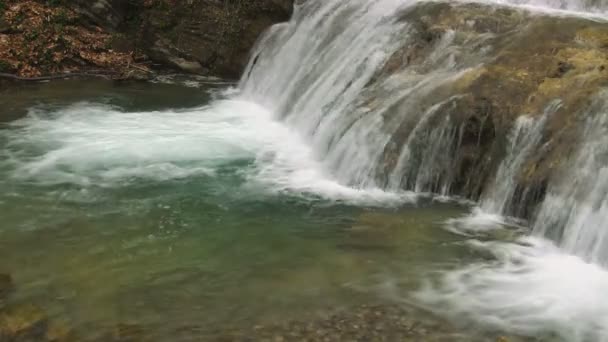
(6, 288)
(128, 332)
(596, 37)
(23, 323)
(513, 62)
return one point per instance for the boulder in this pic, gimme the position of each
(208, 36)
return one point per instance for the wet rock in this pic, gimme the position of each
(562, 69)
(23, 323)
(508, 70)
(105, 13)
(595, 37)
(135, 74)
(58, 332)
(6, 287)
(206, 36)
(129, 333)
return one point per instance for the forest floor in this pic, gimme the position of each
(39, 38)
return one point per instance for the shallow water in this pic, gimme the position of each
(120, 205)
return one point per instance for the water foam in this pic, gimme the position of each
(585, 8)
(91, 144)
(538, 286)
(575, 211)
(532, 288)
(482, 222)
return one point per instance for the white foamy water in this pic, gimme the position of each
(532, 288)
(537, 286)
(481, 222)
(88, 144)
(575, 211)
(523, 140)
(593, 9)
(322, 74)
(578, 7)
(313, 71)
(491, 214)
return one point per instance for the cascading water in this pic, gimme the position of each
(575, 212)
(524, 138)
(538, 285)
(589, 6)
(495, 203)
(322, 74)
(322, 112)
(314, 73)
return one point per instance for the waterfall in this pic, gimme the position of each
(523, 139)
(575, 212)
(311, 72)
(338, 75)
(552, 282)
(323, 74)
(497, 199)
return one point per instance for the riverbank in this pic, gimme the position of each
(45, 40)
(379, 321)
(130, 40)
